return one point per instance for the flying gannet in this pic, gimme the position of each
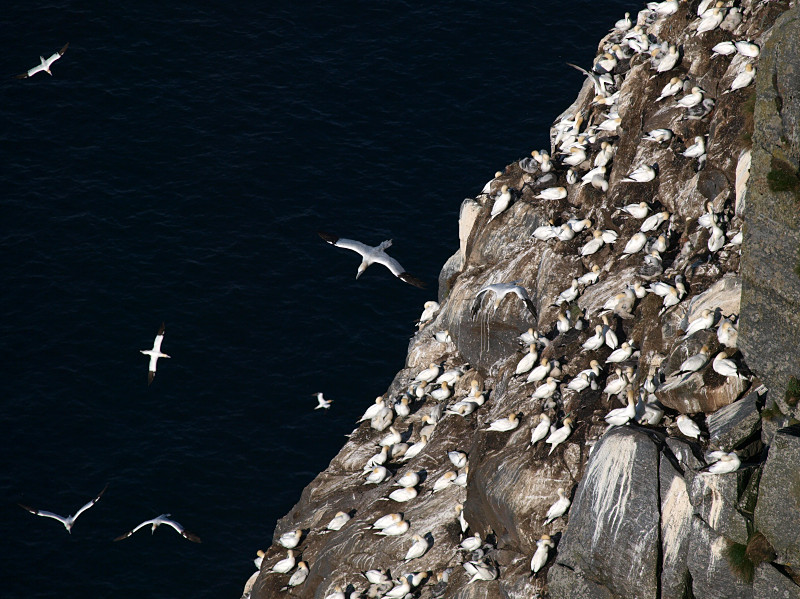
(155, 353)
(371, 255)
(69, 520)
(45, 64)
(500, 290)
(158, 521)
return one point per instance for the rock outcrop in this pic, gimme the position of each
(685, 489)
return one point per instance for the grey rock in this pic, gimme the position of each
(613, 532)
(770, 317)
(779, 496)
(769, 583)
(734, 424)
(676, 523)
(714, 575)
(715, 498)
(571, 583)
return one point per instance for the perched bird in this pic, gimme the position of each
(624, 352)
(338, 521)
(542, 553)
(542, 429)
(500, 290)
(546, 389)
(723, 49)
(697, 149)
(702, 322)
(155, 353)
(559, 435)
(653, 222)
(691, 99)
(395, 529)
(444, 481)
(501, 202)
(415, 449)
(687, 426)
(670, 89)
(552, 193)
(387, 520)
(376, 576)
(457, 458)
(164, 519)
(542, 370)
(727, 334)
(285, 565)
(743, 79)
(641, 174)
(659, 135)
(430, 308)
(527, 361)
(403, 494)
(695, 362)
(442, 393)
(559, 508)
(417, 549)
(45, 64)
(724, 366)
(371, 255)
(621, 416)
(635, 243)
(596, 341)
(376, 476)
(290, 539)
(322, 403)
(299, 576)
(726, 462)
(67, 521)
(746, 48)
(504, 424)
(373, 410)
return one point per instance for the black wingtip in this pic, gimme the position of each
(64, 49)
(412, 280)
(191, 537)
(161, 329)
(328, 237)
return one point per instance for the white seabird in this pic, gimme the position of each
(501, 202)
(552, 193)
(444, 481)
(692, 99)
(670, 89)
(542, 429)
(726, 462)
(659, 135)
(298, 577)
(702, 322)
(621, 416)
(372, 255)
(635, 243)
(457, 458)
(290, 539)
(654, 221)
(743, 79)
(504, 424)
(559, 435)
(559, 508)
(375, 477)
(45, 64)
(285, 565)
(164, 519)
(395, 530)
(67, 521)
(417, 549)
(322, 403)
(155, 353)
(500, 290)
(746, 48)
(697, 149)
(638, 211)
(527, 361)
(374, 409)
(687, 426)
(539, 558)
(642, 174)
(724, 366)
(695, 362)
(546, 389)
(339, 520)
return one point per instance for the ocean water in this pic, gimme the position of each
(176, 168)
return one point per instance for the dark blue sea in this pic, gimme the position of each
(176, 168)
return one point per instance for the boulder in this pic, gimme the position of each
(714, 566)
(736, 423)
(769, 583)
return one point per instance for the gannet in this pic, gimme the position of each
(723, 49)
(402, 494)
(559, 435)
(508, 423)
(528, 337)
(373, 410)
(621, 416)
(377, 576)
(339, 520)
(290, 539)
(459, 510)
(702, 322)
(579, 224)
(461, 479)
(599, 81)
(402, 407)
(444, 481)
(545, 232)
(608, 333)
(417, 549)
(322, 402)
(617, 385)
(593, 245)
(155, 354)
(443, 336)
(579, 383)
(687, 426)
(624, 24)
(743, 79)
(500, 290)
(746, 48)
(654, 221)
(727, 335)
(457, 458)
(539, 558)
(559, 508)
(552, 193)
(164, 519)
(430, 309)
(442, 392)
(338, 593)
(450, 376)
(387, 520)
(541, 371)
(527, 361)
(259, 558)
(545, 390)
(658, 135)
(372, 255)
(726, 462)
(669, 60)
(428, 374)
(399, 591)
(570, 294)
(299, 576)
(542, 429)
(641, 174)
(697, 149)
(692, 99)
(710, 20)
(695, 362)
(624, 352)
(501, 202)
(635, 243)
(414, 450)
(378, 459)
(377, 475)
(724, 366)
(596, 341)
(605, 154)
(480, 571)
(471, 543)
(69, 521)
(462, 408)
(395, 529)
(45, 64)
(285, 565)
(590, 278)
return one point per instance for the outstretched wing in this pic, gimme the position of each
(349, 244)
(476, 305)
(130, 532)
(523, 295)
(90, 504)
(44, 514)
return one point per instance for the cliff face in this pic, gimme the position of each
(653, 512)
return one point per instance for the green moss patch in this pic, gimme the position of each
(783, 177)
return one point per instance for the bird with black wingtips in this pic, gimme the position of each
(67, 521)
(158, 521)
(373, 255)
(45, 65)
(155, 353)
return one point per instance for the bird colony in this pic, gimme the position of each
(595, 289)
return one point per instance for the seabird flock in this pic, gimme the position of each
(574, 140)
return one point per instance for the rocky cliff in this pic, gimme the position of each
(600, 296)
